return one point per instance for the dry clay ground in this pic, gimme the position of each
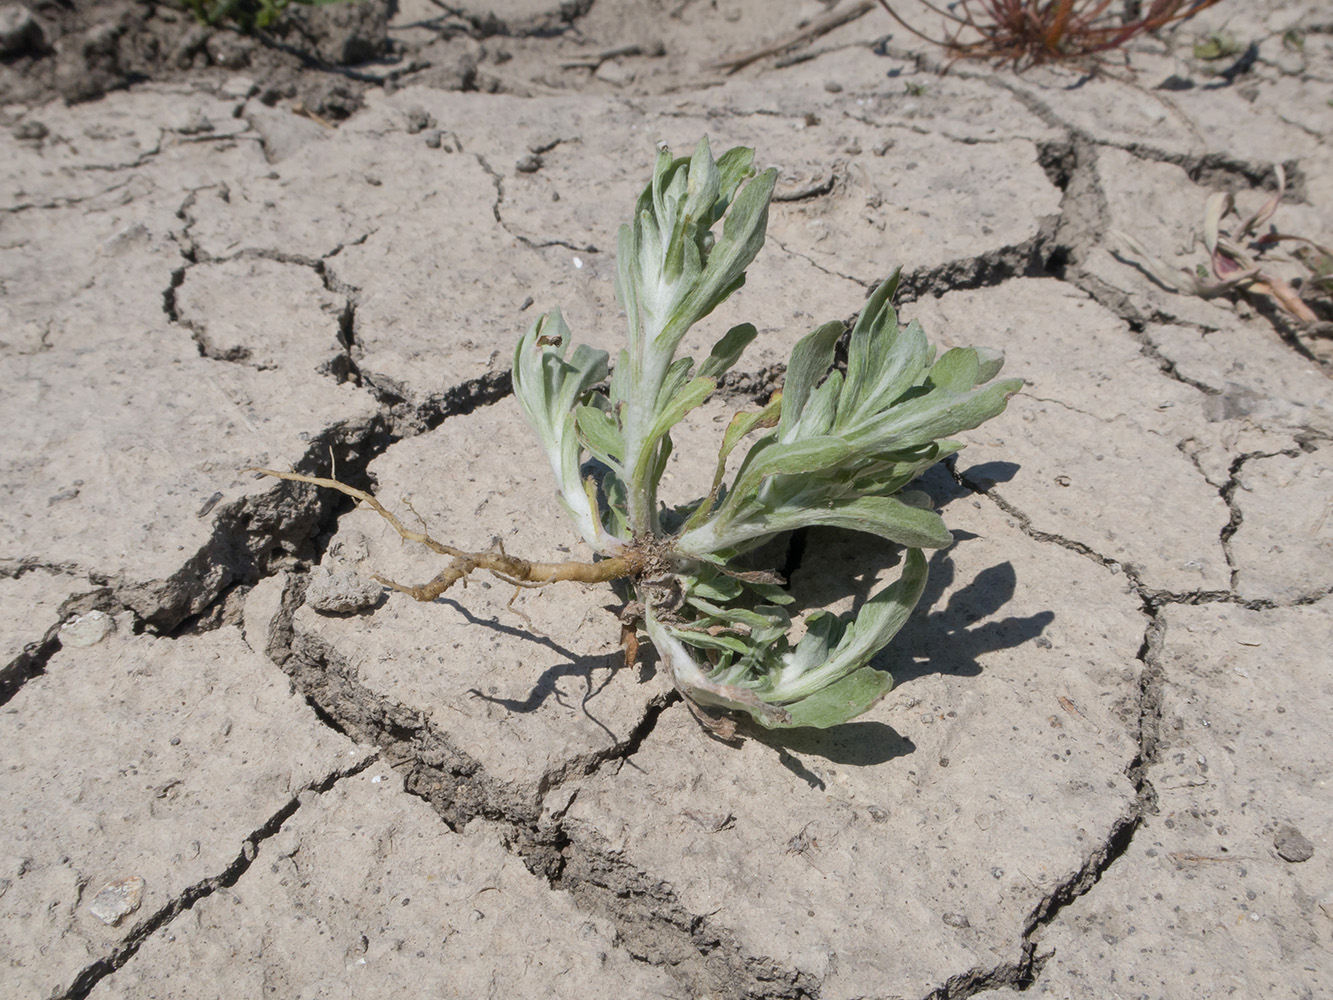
(1104, 770)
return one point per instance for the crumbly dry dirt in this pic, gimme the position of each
(231, 770)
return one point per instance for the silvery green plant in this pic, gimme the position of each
(832, 448)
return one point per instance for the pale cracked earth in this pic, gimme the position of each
(1104, 770)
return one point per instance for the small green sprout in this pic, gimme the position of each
(1218, 45)
(835, 447)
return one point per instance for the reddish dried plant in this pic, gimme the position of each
(1027, 32)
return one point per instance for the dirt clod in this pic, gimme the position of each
(1292, 845)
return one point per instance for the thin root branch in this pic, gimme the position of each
(519, 572)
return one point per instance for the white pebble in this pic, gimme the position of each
(117, 899)
(86, 630)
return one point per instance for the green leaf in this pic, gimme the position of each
(937, 414)
(741, 424)
(600, 432)
(703, 640)
(770, 592)
(741, 239)
(840, 702)
(733, 167)
(810, 361)
(887, 517)
(957, 370)
(770, 457)
(682, 402)
(727, 351)
(820, 409)
(714, 587)
(877, 622)
(676, 376)
(875, 330)
(989, 363)
(547, 387)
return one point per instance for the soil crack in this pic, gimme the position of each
(88, 979)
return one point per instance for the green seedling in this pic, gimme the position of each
(1218, 45)
(1241, 258)
(835, 447)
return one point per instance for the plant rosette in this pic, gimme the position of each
(834, 448)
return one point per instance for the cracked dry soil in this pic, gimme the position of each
(1104, 769)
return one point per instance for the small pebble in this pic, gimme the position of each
(833, 86)
(86, 630)
(956, 920)
(528, 164)
(433, 138)
(117, 900)
(1292, 845)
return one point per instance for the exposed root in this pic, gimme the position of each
(510, 569)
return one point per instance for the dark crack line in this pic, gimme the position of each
(30, 663)
(450, 779)
(989, 269)
(1023, 974)
(63, 201)
(497, 179)
(458, 789)
(1152, 680)
(1228, 495)
(822, 268)
(1025, 525)
(1149, 349)
(260, 532)
(1202, 168)
(654, 927)
(1148, 595)
(256, 532)
(1084, 220)
(93, 974)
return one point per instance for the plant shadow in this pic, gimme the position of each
(547, 685)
